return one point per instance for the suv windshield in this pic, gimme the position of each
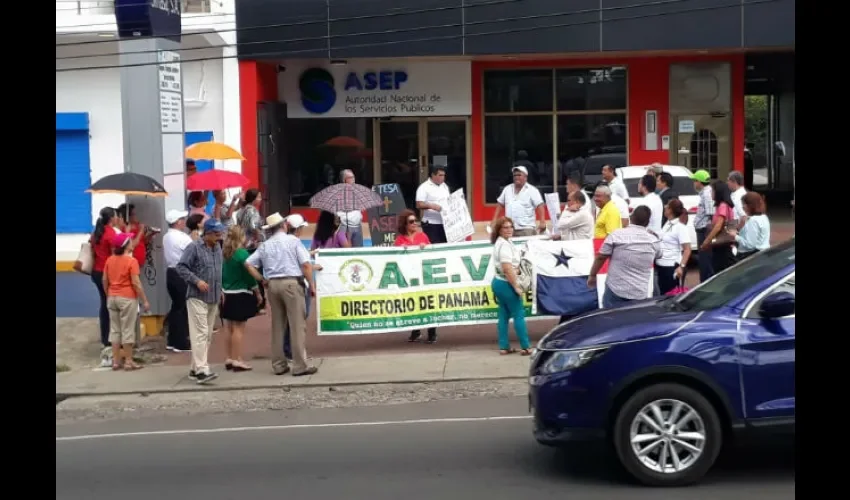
(731, 283)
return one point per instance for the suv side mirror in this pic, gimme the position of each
(777, 305)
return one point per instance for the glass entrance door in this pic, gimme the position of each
(409, 147)
(446, 141)
(399, 157)
(702, 143)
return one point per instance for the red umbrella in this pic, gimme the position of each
(342, 141)
(216, 180)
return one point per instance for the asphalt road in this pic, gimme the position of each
(453, 451)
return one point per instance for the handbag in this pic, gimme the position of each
(524, 273)
(85, 259)
(679, 289)
(723, 239)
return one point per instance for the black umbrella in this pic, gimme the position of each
(128, 183)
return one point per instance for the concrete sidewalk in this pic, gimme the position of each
(435, 366)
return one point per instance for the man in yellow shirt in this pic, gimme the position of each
(608, 219)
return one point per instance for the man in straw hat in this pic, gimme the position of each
(286, 265)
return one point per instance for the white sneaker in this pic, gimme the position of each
(106, 357)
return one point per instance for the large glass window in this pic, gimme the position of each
(517, 140)
(577, 114)
(586, 143)
(316, 155)
(591, 89)
(518, 91)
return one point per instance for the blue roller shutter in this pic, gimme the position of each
(202, 165)
(73, 174)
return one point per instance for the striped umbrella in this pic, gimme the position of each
(345, 198)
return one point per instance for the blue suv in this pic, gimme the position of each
(666, 381)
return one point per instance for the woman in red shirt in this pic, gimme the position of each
(410, 234)
(101, 245)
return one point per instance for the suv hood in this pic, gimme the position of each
(638, 321)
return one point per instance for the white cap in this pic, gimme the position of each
(295, 221)
(175, 215)
(521, 169)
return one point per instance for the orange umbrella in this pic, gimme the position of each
(212, 151)
(344, 142)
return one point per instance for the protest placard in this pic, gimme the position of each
(457, 222)
(383, 220)
(553, 205)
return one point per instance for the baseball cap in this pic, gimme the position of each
(120, 240)
(700, 176)
(521, 169)
(213, 226)
(175, 215)
(295, 221)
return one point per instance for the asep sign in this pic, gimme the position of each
(375, 80)
(148, 18)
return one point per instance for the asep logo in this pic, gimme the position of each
(317, 90)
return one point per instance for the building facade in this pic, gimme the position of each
(89, 135)
(477, 86)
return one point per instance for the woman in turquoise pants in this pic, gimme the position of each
(506, 258)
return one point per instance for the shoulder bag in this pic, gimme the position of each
(85, 259)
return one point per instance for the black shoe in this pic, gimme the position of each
(432, 339)
(228, 366)
(205, 378)
(193, 375)
(414, 336)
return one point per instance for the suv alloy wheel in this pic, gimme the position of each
(667, 435)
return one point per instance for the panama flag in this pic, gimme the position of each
(561, 269)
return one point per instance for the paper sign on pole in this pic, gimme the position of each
(457, 221)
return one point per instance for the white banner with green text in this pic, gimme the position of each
(383, 290)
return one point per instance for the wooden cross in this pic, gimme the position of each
(387, 204)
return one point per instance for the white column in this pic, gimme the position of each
(230, 105)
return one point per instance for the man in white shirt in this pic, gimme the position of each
(646, 188)
(523, 203)
(616, 184)
(574, 186)
(351, 221)
(735, 181)
(174, 242)
(431, 195)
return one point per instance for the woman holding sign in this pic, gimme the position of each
(410, 234)
(506, 288)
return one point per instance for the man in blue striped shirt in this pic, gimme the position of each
(200, 267)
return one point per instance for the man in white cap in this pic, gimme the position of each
(174, 242)
(521, 201)
(287, 268)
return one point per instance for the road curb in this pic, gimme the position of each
(63, 396)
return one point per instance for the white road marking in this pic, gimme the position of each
(293, 427)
